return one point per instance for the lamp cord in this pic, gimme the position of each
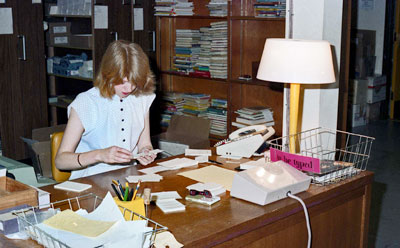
(306, 215)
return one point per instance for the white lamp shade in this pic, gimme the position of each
(297, 61)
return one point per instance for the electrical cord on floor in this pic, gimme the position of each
(306, 215)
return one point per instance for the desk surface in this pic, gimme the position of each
(339, 214)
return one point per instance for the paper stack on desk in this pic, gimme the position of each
(214, 188)
(178, 163)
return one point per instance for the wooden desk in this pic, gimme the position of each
(339, 215)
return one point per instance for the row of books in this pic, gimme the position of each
(218, 7)
(173, 8)
(270, 8)
(202, 52)
(199, 105)
(254, 116)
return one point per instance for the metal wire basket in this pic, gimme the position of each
(337, 154)
(28, 219)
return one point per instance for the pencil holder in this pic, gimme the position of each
(136, 206)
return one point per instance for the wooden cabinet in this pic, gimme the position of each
(23, 92)
(246, 37)
(118, 17)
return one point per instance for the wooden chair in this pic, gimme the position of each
(59, 176)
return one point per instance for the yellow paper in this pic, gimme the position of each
(211, 174)
(70, 221)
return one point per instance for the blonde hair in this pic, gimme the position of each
(124, 59)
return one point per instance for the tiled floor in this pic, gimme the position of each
(384, 231)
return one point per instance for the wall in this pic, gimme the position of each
(315, 20)
(371, 16)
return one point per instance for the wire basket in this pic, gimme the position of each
(28, 219)
(336, 155)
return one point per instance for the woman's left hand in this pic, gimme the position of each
(147, 158)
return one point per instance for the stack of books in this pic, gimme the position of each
(187, 50)
(183, 8)
(202, 66)
(164, 7)
(218, 7)
(217, 113)
(172, 103)
(196, 104)
(219, 50)
(270, 8)
(254, 116)
(173, 8)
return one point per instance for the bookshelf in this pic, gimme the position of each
(246, 36)
(84, 37)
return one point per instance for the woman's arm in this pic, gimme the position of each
(67, 159)
(144, 143)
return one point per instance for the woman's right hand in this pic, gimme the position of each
(115, 155)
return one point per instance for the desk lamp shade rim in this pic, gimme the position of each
(297, 61)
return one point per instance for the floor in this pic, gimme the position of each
(385, 163)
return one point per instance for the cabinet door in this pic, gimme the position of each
(144, 28)
(24, 92)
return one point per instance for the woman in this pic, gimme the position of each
(110, 122)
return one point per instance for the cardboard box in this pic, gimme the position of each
(59, 27)
(358, 91)
(14, 193)
(57, 39)
(81, 40)
(373, 111)
(358, 115)
(184, 132)
(376, 88)
(39, 149)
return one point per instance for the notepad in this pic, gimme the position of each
(170, 205)
(73, 186)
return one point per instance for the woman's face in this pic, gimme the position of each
(124, 89)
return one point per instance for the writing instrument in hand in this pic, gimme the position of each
(215, 162)
(116, 192)
(136, 190)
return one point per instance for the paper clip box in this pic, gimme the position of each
(136, 206)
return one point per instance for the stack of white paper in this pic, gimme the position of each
(178, 163)
(214, 188)
(144, 178)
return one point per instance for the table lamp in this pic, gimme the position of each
(296, 62)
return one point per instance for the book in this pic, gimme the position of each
(73, 186)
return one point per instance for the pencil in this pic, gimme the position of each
(136, 190)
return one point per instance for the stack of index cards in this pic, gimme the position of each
(178, 163)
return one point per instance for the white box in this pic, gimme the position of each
(376, 88)
(358, 91)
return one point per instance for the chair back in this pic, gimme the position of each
(59, 176)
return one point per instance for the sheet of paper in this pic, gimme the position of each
(154, 169)
(137, 19)
(197, 152)
(170, 205)
(144, 178)
(6, 21)
(72, 186)
(178, 163)
(100, 17)
(252, 164)
(155, 196)
(211, 174)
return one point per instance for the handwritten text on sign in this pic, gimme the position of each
(299, 162)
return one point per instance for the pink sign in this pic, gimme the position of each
(299, 162)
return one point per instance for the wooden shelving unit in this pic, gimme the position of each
(246, 38)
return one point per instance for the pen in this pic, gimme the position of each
(215, 162)
(116, 192)
(130, 195)
(120, 188)
(126, 192)
(136, 190)
(115, 182)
